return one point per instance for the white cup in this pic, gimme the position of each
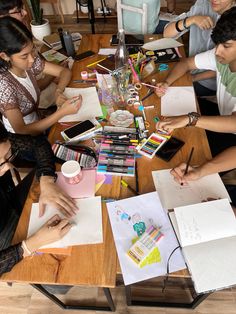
(71, 171)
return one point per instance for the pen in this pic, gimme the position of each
(188, 162)
(149, 85)
(148, 95)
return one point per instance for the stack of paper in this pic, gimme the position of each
(87, 223)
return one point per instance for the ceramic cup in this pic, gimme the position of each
(71, 171)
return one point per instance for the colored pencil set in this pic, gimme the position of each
(145, 244)
(152, 144)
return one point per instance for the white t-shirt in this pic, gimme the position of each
(226, 81)
(32, 117)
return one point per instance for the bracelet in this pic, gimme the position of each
(184, 24)
(25, 248)
(177, 26)
(193, 118)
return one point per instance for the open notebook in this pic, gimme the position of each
(207, 234)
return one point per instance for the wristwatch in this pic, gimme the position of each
(193, 118)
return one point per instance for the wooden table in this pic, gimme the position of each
(96, 265)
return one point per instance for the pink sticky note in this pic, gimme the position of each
(85, 188)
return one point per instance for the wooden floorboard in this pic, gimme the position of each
(23, 299)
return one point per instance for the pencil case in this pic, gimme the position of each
(144, 247)
(83, 154)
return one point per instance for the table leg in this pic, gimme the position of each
(54, 299)
(196, 301)
(91, 15)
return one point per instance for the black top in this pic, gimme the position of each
(39, 148)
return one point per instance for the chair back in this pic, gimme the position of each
(142, 11)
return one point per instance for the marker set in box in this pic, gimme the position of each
(117, 159)
(144, 246)
(152, 144)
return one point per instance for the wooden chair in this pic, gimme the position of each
(56, 6)
(142, 11)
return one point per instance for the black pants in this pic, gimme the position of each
(218, 142)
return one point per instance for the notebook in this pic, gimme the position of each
(207, 234)
(108, 64)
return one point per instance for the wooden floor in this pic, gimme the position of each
(23, 299)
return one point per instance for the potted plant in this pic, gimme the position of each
(39, 26)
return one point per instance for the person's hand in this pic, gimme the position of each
(161, 89)
(203, 21)
(54, 229)
(52, 194)
(60, 99)
(168, 124)
(179, 176)
(72, 105)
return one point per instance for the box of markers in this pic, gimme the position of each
(144, 246)
(152, 144)
(116, 158)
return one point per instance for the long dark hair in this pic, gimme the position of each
(4, 135)
(7, 5)
(14, 36)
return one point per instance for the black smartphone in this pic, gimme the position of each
(130, 40)
(84, 55)
(169, 149)
(78, 129)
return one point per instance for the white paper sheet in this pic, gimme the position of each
(123, 215)
(107, 51)
(172, 194)
(90, 108)
(87, 228)
(162, 43)
(204, 222)
(178, 100)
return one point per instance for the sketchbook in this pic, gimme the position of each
(178, 100)
(208, 187)
(90, 108)
(207, 235)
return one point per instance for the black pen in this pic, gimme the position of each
(149, 94)
(188, 162)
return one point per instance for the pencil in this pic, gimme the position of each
(136, 177)
(188, 162)
(91, 64)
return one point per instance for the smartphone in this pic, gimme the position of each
(130, 40)
(84, 55)
(78, 129)
(169, 149)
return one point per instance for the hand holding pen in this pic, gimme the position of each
(184, 172)
(161, 88)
